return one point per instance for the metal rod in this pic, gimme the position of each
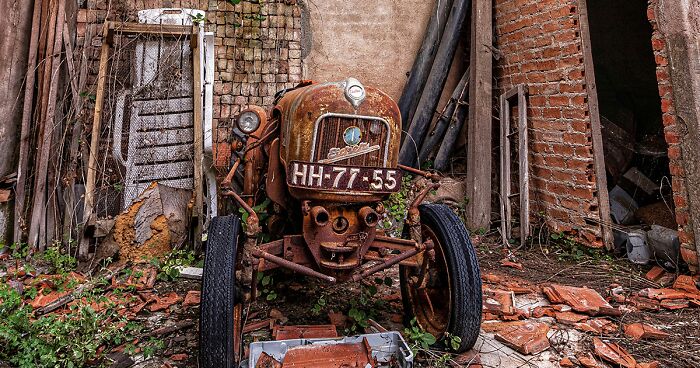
(388, 263)
(292, 266)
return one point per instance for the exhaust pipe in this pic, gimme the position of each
(320, 216)
(369, 216)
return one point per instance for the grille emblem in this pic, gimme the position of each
(352, 136)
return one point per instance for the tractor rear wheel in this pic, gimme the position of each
(444, 296)
(217, 326)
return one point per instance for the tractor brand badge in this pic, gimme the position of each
(340, 154)
(352, 136)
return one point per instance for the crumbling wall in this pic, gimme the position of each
(675, 43)
(540, 45)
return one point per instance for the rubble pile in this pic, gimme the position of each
(531, 318)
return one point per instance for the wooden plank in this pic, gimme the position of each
(597, 137)
(25, 131)
(171, 30)
(94, 144)
(524, 168)
(480, 118)
(38, 230)
(198, 77)
(504, 149)
(76, 133)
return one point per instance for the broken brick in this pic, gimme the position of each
(687, 284)
(162, 303)
(539, 312)
(41, 300)
(598, 326)
(569, 318)
(192, 297)
(674, 304)
(655, 273)
(507, 263)
(662, 294)
(499, 326)
(469, 359)
(587, 360)
(566, 362)
(581, 300)
(643, 303)
(179, 357)
(638, 331)
(652, 364)
(613, 353)
(499, 302)
(529, 338)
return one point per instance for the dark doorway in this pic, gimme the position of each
(630, 113)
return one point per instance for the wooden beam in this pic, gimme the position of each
(94, 145)
(480, 117)
(197, 43)
(156, 29)
(597, 137)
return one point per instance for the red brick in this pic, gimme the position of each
(674, 152)
(669, 120)
(689, 256)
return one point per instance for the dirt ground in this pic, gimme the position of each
(301, 301)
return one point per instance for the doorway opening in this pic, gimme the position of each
(635, 150)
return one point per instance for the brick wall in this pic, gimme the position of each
(540, 44)
(672, 132)
(258, 49)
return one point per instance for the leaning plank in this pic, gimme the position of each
(197, 41)
(479, 129)
(38, 230)
(94, 144)
(26, 118)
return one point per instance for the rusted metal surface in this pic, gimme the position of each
(357, 355)
(304, 331)
(429, 289)
(309, 113)
(430, 175)
(292, 266)
(266, 361)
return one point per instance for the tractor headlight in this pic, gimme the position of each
(248, 121)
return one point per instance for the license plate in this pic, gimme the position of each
(343, 178)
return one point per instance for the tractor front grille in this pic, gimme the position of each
(329, 134)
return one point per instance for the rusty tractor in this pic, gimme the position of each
(312, 176)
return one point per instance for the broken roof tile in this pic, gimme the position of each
(687, 284)
(598, 326)
(638, 331)
(613, 353)
(662, 294)
(528, 338)
(582, 300)
(569, 318)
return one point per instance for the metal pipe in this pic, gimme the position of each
(369, 216)
(433, 139)
(424, 60)
(434, 84)
(319, 216)
(387, 263)
(292, 266)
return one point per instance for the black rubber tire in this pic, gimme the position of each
(465, 276)
(216, 323)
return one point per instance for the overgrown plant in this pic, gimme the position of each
(266, 286)
(68, 340)
(168, 268)
(396, 207)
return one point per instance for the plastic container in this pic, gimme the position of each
(387, 347)
(637, 247)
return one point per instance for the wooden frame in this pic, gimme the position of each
(108, 37)
(597, 137)
(505, 99)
